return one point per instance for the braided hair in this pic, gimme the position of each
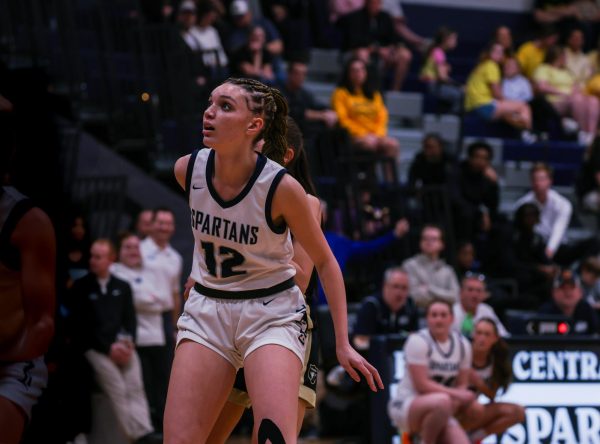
(270, 104)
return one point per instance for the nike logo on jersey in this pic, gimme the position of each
(197, 188)
(268, 302)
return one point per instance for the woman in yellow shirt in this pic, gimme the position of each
(558, 85)
(483, 94)
(361, 111)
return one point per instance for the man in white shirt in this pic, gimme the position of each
(555, 214)
(165, 264)
(471, 308)
(430, 276)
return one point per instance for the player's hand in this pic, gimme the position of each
(464, 396)
(187, 287)
(352, 361)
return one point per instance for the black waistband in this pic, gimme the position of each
(244, 294)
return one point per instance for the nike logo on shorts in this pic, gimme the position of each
(268, 302)
(197, 188)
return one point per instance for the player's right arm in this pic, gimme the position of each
(180, 170)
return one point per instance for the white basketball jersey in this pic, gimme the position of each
(485, 373)
(443, 360)
(238, 248)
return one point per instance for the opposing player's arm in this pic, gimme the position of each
(34, 237)
(291, 205)
(302, 261)
(180, 170)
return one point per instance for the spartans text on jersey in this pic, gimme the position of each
(224, 228)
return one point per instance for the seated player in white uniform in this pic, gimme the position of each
(492, 371)
(435, 385)
(245, 309)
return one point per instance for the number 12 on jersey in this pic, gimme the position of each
(228, 258)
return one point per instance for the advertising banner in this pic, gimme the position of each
(556, 379)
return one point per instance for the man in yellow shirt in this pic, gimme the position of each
(531, 54)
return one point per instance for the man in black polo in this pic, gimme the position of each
(391, 311)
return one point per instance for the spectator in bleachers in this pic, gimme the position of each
(531, 54)
(143, 223)
(338, 8)
(503, 36)
(150, 335)
(470, 308)
(104, 327)
(436, 70)
(530, 266)
(559, 13)
(594, 58)
(465, 259)
(77, 248)
(202, 38)
(390, 312)
(555, 209)
(429, 275)
(432, 165)
(291, 18)
(361, 111)
(515, 86)
(345, 249)
(484, 97)
(253, 60)
(576, 61)
(558, 85)
(160, 258)
(567, 300)
(588, 181)
(394, 9)
(369, 34)
(589, 275)
(555, 214)
(303, 107)
(244, 23)
(477, 193)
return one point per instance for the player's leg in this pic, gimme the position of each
(272, 375)
(201, 380)
(230, 415)
(12, 422)
(428, 416)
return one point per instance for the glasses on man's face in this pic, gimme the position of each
(471, 275)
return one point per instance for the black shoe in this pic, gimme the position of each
(150, 438)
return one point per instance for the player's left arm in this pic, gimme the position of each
(291, 205)
(302, 261)
(34, 237)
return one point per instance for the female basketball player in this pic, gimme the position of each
(245, 308)
(296, 163)
(434, 387)
(491, 371)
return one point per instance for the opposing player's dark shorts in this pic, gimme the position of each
(308, 384)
